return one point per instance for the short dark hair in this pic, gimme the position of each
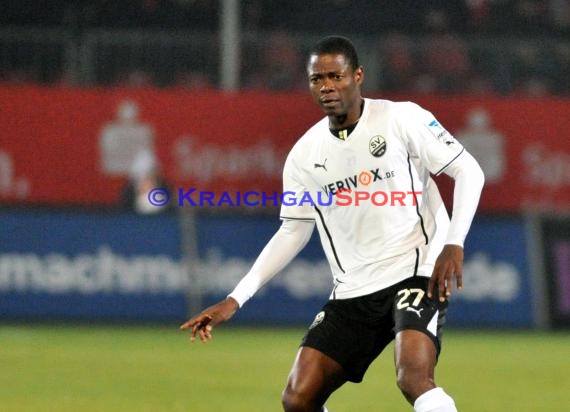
(337, 45)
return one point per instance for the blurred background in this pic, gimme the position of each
(466, 47)
(102, 101)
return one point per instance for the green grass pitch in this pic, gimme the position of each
(112, 368)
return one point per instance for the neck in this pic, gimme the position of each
(344, 120)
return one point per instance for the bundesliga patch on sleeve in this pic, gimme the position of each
(440, 133)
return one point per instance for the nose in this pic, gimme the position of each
(327, 86)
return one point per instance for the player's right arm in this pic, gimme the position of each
(293, 234)
(291, 237)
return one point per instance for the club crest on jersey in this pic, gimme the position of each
(318, 319)
(377, 146)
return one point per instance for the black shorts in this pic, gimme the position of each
(355, 331)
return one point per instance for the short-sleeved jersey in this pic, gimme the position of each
(398, 231)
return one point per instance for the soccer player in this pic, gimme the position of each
(393, 265)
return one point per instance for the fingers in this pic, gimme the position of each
(442, 278)
(202, 319)
(199, 326)
(442, 283)
(187, 325)
(459, 278)
(203, 329)
(205, 334)
(431, 285)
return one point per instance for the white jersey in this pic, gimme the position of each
(400, 223)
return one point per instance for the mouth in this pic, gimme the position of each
(328, 102)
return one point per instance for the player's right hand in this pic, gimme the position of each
(203, 323)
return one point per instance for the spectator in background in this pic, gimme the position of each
(488, 74)
(252, 15)
(534, 87)
(530, 17)
(559, 15)
(397, 63)
(445, 57)
(17, 76)
(478, 15)
(136, 78)
(531, 69)
(280, 65)
(193, 80)
(155, 14)
(562, 71)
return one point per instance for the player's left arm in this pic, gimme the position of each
(469, 180)
(438, 151)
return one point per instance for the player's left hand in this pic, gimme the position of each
(448, 263)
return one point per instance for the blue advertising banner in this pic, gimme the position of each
(78, 265)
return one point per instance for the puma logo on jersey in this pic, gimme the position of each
(318, 319)
(324, 165)
(416, 311)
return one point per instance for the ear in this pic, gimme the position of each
(359, 75)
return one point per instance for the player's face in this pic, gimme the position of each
(335, 86)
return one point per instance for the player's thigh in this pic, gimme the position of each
(418, 323)
(352, 332)
(414, 311)
(315, 374)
